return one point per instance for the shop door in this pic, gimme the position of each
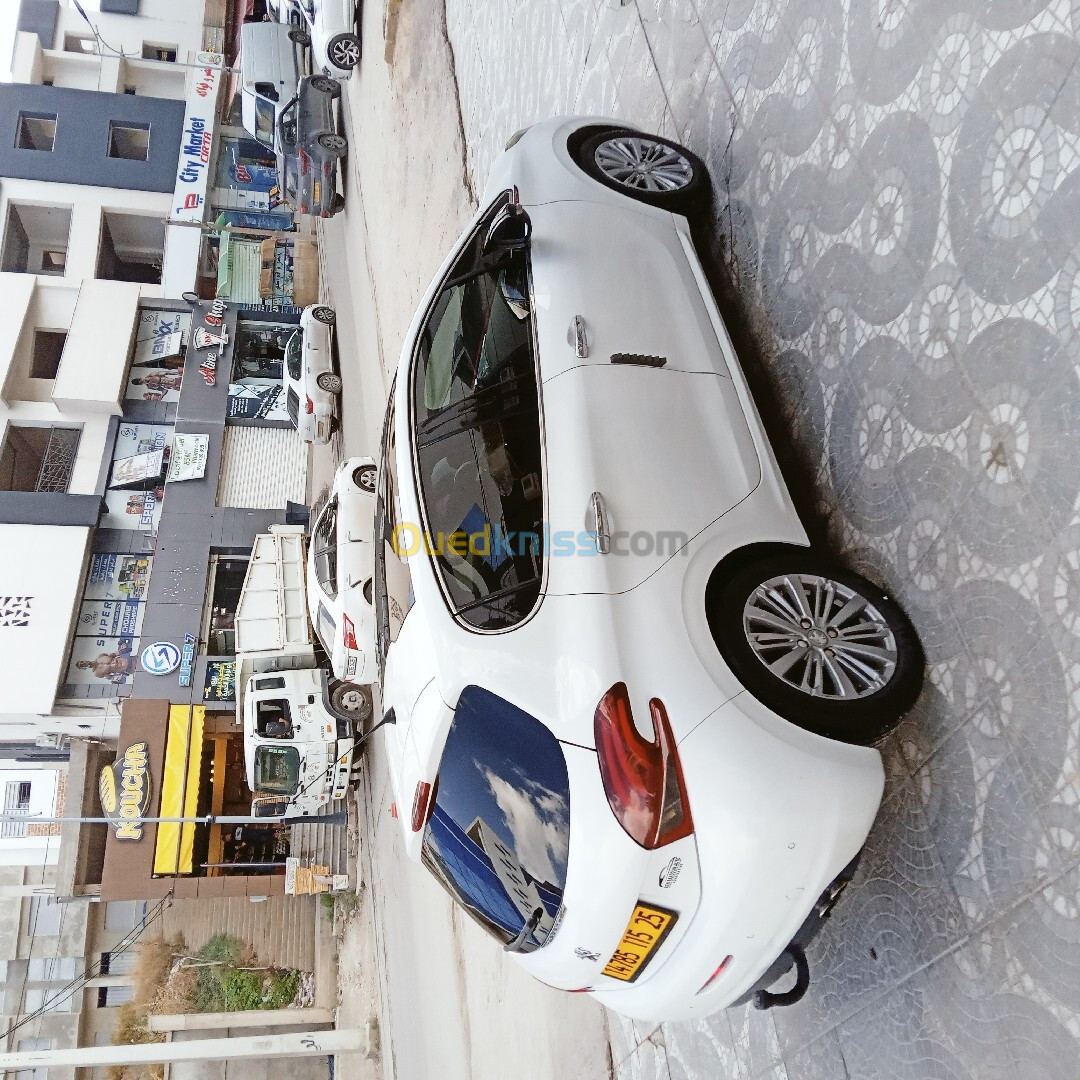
(262, 468)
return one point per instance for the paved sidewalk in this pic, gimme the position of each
(899, 204)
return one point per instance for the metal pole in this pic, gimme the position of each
(341, 817)
(293, 1044)
(244, 230)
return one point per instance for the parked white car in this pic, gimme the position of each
(312, 386)
(339, 583)
(332, 26)
(630, 707)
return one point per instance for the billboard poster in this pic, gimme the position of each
(220, 681)
(108, 659)
(193, 167)
(257, 399)
(118, 577)
(137, 470)
(136, 509)
(110, 618)
(157, 363)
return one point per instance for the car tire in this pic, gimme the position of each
(336, 144)
(329, 381)
(364, 477)
(343, 51)
(672, 177)
(798, 666)
(324, 314)
(299, 37)
(326, 85)
(352, 701)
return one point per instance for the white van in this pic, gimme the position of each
(272, 59)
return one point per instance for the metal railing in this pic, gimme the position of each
(58, 460)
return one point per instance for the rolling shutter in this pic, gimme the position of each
(262, 468)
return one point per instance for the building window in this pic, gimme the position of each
(54, 999)
(50, 969)
(108, 997)
(37, 131)
(44, 918)
(80, 43)
(118, 963)
(154, 50)
(129, 141)
(48, 348)
(24, 1046)
(37, 458)
(16, 801)
(131, 248)
(123, 914)
(35, 239)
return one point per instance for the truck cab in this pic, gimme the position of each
(294, 747)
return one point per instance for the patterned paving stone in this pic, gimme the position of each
(897, 202)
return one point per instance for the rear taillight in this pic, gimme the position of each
(348, 632)
(642, 780)
(423, 804)
(309, 405)
(303, 208)
(305, 162)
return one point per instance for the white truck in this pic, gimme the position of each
(297, 749)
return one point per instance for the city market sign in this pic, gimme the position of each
(193, 167)
(124, 789)
(160, 658)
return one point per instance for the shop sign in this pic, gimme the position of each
(188, 460)
(160, 658)
(187, 658)
(217, 338)
(220, 681)
(124, 789)
(193, 167)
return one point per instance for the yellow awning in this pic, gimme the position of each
(173, 852)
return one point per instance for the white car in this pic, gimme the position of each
(312, 386)
(629, 708)
(339, 584)
(332, 27)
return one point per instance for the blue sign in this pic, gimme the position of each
(160, 658)
(187, 659)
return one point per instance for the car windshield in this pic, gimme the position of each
(264, 121)
(293, 355)
(476, 410)
(498, 837)
(277, 770)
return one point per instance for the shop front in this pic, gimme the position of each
(180, 761)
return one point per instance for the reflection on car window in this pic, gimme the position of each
(498, 837)
(477, 429)
(264, 121)
(294, 355)
(277, 769)
(288, 124)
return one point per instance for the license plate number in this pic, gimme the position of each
(317, 191)
(647, 928)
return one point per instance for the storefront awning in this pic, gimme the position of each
(174, 849)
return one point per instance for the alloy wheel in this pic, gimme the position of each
(643, 164)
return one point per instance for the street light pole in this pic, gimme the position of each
(341, 817)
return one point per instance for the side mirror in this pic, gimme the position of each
(510, 231)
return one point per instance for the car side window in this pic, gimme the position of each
(287, 124)
(476, 410)
(294, 355)
(324, 546)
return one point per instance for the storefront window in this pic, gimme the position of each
(257, 390)
(224, 597)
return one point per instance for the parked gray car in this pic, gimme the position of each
(309, 148)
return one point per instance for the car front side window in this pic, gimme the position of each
(476, 414)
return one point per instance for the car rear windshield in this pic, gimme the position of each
(277, 769)
(499, 834)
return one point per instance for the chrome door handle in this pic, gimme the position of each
(596, 523)
(577, 337)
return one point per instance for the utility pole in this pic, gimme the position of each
(293, 1044)
(341, 817)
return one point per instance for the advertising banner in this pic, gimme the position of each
(118, 577)
(193, 168)
(110, 618)
(102, 659)
(136, 509)
(220, 681)
(157, 363)
(257, 399)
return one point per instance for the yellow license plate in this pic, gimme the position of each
(648, 927)
(316, 191)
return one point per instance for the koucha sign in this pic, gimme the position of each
(124, 788)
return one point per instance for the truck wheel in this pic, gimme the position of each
(352, 701)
